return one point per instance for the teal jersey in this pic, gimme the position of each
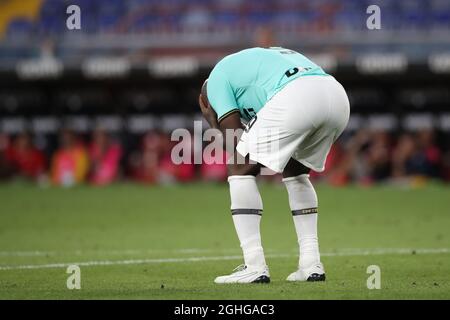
(246, 80)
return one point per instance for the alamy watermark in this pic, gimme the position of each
(73, 21)
(373, 22)
(374, 280)
(74, 280)
(213, 146)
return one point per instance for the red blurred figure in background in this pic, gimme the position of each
(105, 157)
(70, 162)
(144, 163)
(5, 167)
(214, 165)
(153, 164)
(335, 171)
(216, 171)
(25, 159)
(168, 170)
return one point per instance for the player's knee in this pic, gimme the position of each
(294, 169)
(248, 169)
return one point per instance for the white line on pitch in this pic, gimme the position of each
(345, 252)
(38, 253)
(124, 262)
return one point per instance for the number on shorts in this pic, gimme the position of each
(250, 123)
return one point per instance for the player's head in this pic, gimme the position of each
(204, 93)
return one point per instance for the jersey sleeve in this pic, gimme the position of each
(221, 95)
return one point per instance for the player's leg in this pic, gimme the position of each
(303, 204)
(320, 119)
(246, 210)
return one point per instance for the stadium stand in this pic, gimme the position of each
(135, 67)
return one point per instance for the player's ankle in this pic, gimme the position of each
(258, 267)
(257, 263)
(308, 262)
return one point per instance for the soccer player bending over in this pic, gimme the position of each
(294, 112)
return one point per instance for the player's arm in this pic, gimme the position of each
(232, 128)
(231, 121)
(219, 107)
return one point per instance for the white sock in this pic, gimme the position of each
(246, 208)
(303, 203)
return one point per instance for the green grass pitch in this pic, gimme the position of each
(170, 242)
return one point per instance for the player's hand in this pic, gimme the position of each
(208, 112)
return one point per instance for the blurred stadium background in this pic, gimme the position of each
(98, 105)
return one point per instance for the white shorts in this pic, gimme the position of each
(301, 121)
